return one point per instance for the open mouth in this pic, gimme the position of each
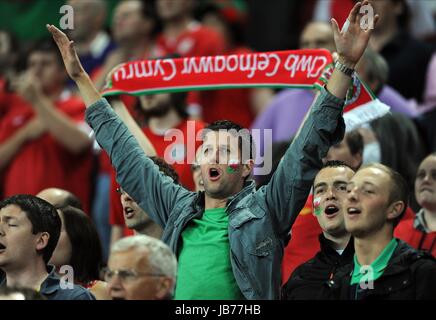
(2, 247)
(353, 211)
(331, 210)
(129, 213)
(214, 174)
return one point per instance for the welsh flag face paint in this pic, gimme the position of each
(233, 166)
(316, 206)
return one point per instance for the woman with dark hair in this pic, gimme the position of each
(79, 247)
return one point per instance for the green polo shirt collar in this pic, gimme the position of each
(377, 267)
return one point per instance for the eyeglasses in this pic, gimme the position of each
(127, 275)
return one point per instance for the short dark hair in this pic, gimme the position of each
(43, 217)
(336, 164)
(399, 191)
(148, 11)
(178, 101)
(354, 141)
(244, 136)
(165, 168)
(86, 249)
(47, 46)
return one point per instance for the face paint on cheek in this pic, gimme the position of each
(233, 166)
(316, 206)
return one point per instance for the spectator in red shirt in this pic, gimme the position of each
(420, 232)
(44, 141)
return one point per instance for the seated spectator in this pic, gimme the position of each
(60, 198)
(420, 232)
(29, 231)
(384, 268)
(141, 268)
(329, 190)
(137, 219)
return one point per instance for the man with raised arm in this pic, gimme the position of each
(229, 238)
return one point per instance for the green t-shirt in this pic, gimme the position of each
(205, 271)
(377, 267)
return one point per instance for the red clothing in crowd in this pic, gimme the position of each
(188, 130)
(228, 104)
(196, 40)
(43, 162)
(415, 233)
(304, 242)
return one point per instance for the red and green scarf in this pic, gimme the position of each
(306, 69)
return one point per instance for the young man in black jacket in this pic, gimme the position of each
(383, 268)
(329, 193)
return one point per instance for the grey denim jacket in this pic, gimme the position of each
(259, 221)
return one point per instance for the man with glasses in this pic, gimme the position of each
(141, 268)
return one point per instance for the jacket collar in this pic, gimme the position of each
(403, 256)
(233, 201)
(51, 283)
(249, 187)
(419, 222)
(49, 286)
(327, 248)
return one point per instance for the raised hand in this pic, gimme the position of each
(352, 42)
(108, 78)
(68, 52)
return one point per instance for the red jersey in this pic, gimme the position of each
(188, 130)
(304, 243)
(228, 104)
(415, 233)
(43, 162)
(196, 40)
